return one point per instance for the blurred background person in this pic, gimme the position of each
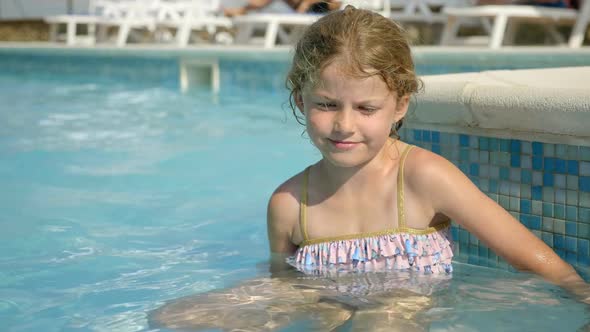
(299, 6)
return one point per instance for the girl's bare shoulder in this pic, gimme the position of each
(283, 206)
(424, 168)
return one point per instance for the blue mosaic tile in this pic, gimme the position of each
(547, 224)
(484, 143)
(435, 136)
(514, 189)
(560, 181)
(463, 236)
(537, 163)
(583, 247)
(573, 167)
(548, 194)
(548, 150)
(559, 212)
(484, 157)
(493, 185)
(571, 197)
(504, 188)
(426, 136)
(537, 192)
(547, 179)
(515, 160)
(558, 241)
(571, 213)
(436, 148)
(483, 251)
(535, 222)
(515, 146)
(527, 148)
(547, 209)
(504, 145)
(495, 172)
(537, 178)
(537, 148)
(571, 257)
(583, 231)
(504, 173)
(571, 228)
(560, 166)
(571, 182)
(525, 206)
(494, 144)
(525, 191)
(558, 226)
(417, 135)
(561, 151)
(464, 140)
(560, 196)
(526, 176)
(571, 244)
(584, 183)
(464, 154)
(547, 238)
(524, 219)
(473, 156)
(473, 142)
(548, 164)
(514, 205)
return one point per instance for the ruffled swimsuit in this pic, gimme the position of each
(425, 251)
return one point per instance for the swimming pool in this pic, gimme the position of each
(120, 193)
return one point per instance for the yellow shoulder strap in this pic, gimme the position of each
(400, 188)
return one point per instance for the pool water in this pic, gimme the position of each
(121, 194)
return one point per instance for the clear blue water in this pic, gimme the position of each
(119, 193)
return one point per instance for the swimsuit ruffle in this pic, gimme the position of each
(429, 254)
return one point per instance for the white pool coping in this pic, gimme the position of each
(545, 104)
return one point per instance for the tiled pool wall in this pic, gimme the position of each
(545, 186)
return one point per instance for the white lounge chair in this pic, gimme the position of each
(187, 15)
(505, 17)
(273, 25)
(98, 11)
(125, 15)
(407, 10)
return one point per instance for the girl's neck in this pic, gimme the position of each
(359, 176)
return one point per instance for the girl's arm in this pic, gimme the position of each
(282, 217)
(453, 194)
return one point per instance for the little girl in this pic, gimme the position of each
(372, 203)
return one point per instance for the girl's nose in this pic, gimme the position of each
(344, 121)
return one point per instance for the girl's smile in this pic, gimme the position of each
(343, 145)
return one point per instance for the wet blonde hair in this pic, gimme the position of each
(365, 42)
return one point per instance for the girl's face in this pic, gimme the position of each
(349, 119)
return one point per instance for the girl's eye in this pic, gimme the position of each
(326, 105)
(368, 110)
